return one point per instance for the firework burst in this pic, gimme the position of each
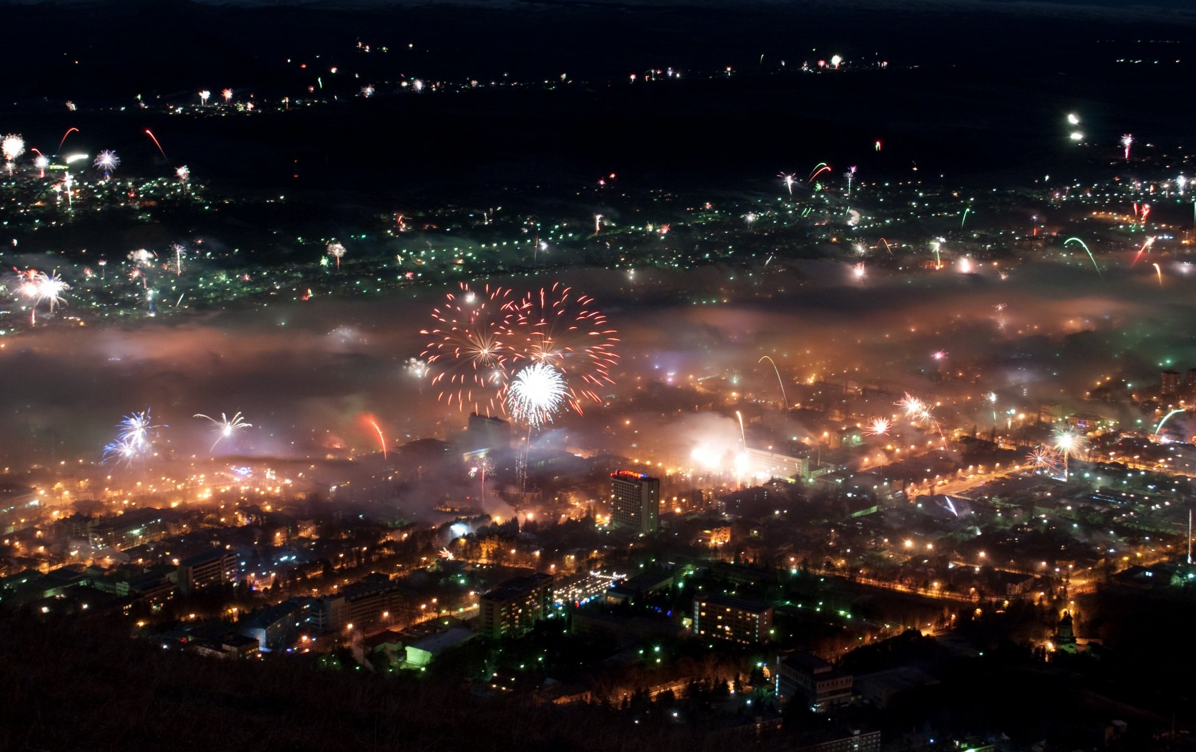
(1043, 459)
(107, 161)
(919, 413)
(336, 251)
(39, 287)
(1068, 442)
(563, 329)
(914, 408)
(788, 180)
(878, 427)
(415, 368)
(536, 395)
(467, 356)
(225, 427)
(134, 440)
(141, 258)
(12, 146)
(51, 289)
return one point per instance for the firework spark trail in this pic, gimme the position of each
(381, 438)
(780, 381)
(1166, 418)
(1145, 249)
(1085, 247)
(155, 138)
(69, 131)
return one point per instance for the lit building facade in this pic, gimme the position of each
(734, 619)
(515, 606)
(216, 567)
(634, 501)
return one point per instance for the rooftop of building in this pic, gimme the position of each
(205, 557)
(809, 663)
(441, 641)
(630, 475)
(278, 611)
(741, 604)
(517, 587)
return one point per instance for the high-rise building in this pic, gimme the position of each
(733, 619)
(1169, 383)
(634, 501)
(515, 606)
(487, 434)
(215, 567)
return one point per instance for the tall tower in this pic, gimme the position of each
(1169, 383)
(635, 501)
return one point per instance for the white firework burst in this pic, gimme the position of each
(107, 161)
(336, 251)
(536, 395)
(225, 427)
(12, 146)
